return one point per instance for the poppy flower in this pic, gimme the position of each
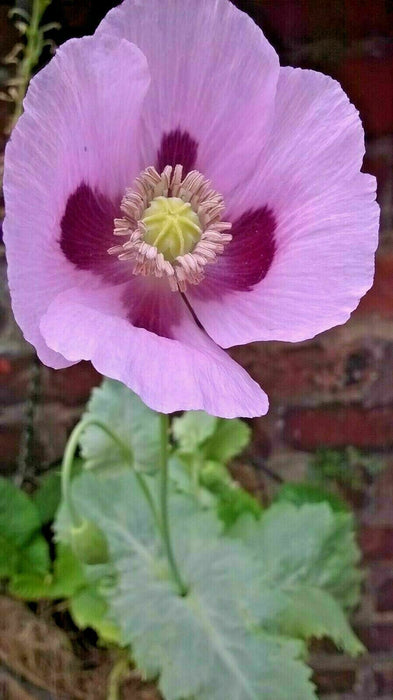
(172, 192)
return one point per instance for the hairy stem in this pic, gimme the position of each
(118, 674)
(165, 529)
(31, 55)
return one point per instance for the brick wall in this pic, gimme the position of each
(334, 390)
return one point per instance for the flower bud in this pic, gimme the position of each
(89, 544)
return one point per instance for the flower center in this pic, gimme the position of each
(171, 226)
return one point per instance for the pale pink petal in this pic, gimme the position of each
(80, 126)
(213, 83)
(326, 222)
(184, 371)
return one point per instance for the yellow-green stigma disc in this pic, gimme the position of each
(171, 226)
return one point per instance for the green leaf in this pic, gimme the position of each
(205, 645)
(67, 577)
(200, 644)
(9, 557)
(89, 609)
(216, 439)
(180, 473)
(31, 586)
(22, 546)
(35, 556)
(47, 497)
(68, 572)
(232, 500)
(312, 612)
(136, 426)
(229, 439)
(300, 493)
(306, 549)
(192, 429)
(216, 489)
(19, 518)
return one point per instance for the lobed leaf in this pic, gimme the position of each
(216, 439)
(310, 549)
(301, 493)
(67, 577)
(192, 429)
(47, 497)
(19, 518)
(90, 609)
(135, 425)
(22, 546)
(203, 645)
(229, 439)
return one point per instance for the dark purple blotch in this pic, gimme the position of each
(177, 148)
(87, 233)
(246, 260)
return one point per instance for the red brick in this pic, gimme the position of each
(376, 542)
(14, 380)
(334, 680)
(71, 386)
(362, 18)
(9, 446)
(294, 20)
(338, 426)
(286, 370)
(385, 596)
(289, 373)
(378, 161)
(383, 678)
(379, 508)
(380, 297)
(376, 637)
(368, 80)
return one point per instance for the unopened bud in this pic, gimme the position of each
(89, 544)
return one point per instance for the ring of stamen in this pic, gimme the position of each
(173, 226)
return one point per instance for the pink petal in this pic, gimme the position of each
(214, 78)
(236, 269)
(187, 372)
(79, 126)
(326, 221)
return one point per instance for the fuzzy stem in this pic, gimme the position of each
(31, 55)
(165, 529)
(119, 672)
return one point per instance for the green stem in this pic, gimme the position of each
(68, 460)
(118, 674)
(165, 530)
(195, 474)
(31, 56)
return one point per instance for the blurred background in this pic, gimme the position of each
(331, 416)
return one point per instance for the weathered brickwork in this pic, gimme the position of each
(334, 390)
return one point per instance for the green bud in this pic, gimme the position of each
(89, 544)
